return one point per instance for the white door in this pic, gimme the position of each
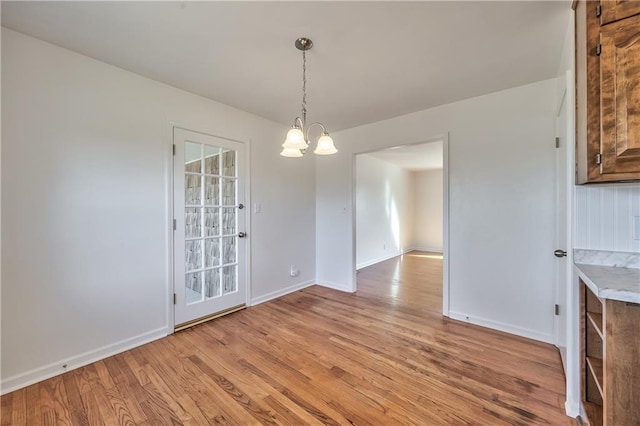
(564, 143)
(209, 243)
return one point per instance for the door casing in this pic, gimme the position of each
(169, 252)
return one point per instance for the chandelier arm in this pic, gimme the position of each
(324, 130)
(298, 122)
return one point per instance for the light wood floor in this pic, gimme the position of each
(382, 356)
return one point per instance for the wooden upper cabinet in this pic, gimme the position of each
(620, 96)
(607, 91)
(614, 10)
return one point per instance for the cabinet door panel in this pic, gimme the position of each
(614, 10)
(620, 96)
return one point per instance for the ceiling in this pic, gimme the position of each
(426, 156)
(370, 61)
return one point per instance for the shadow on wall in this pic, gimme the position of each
(393, 217)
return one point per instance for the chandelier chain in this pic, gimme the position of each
(297, 140)
(304, 87)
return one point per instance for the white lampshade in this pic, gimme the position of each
(291, 152)
(295, 139)
(325, 146)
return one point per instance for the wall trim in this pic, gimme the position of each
(169, 166)
(391, 256)
(170, 170)
(429, 249)
(39, 374)
(341, 287)
(281, 292)
(380, 259)
(572, 408)
(501, 326)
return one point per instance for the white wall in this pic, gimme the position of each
(85, 208)
(501, 180)
(427, 217)
(605, 216)
(383, 210)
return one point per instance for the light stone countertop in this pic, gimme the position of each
(611, 282)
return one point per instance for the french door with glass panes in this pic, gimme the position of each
(209, 248)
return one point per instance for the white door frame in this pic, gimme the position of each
(572, 325)
(564, 223)
(445, 212)
(169, 170)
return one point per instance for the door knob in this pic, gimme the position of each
(241, 235)
(560, 253)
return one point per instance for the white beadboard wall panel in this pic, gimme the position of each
(624, 221)
(604, 217)
(607, 210)
(593, 219)
(581, 213)
(635, 212)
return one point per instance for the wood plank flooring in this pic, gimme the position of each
(382, 356)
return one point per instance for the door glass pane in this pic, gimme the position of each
(192, 222)
(192, 157)
(210, 239)
(229, 279)
(193, 255)
(212, 282)
(228, 192)
(211, 160)
(192, 190)
(211, 252)
(229, 250)
(229, 163)
(193, 287)
(229, 221)
(212, 191)
(211, 222)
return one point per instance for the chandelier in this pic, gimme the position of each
(297, 141)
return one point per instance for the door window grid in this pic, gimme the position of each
(203, 205)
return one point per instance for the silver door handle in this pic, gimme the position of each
(560, 253)
(241, 235)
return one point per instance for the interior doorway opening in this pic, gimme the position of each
(401, 222)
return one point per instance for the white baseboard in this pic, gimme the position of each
(429, 249)
(335, 286)
(572, 408)
(507, 328)
(583, 413)
(281, 292)
(392, 255)
(39, 374)
(378, 260)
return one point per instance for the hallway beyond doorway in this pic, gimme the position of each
(411, 280)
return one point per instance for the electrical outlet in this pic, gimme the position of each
(384, 246)
(257, 208)
(294, 272)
